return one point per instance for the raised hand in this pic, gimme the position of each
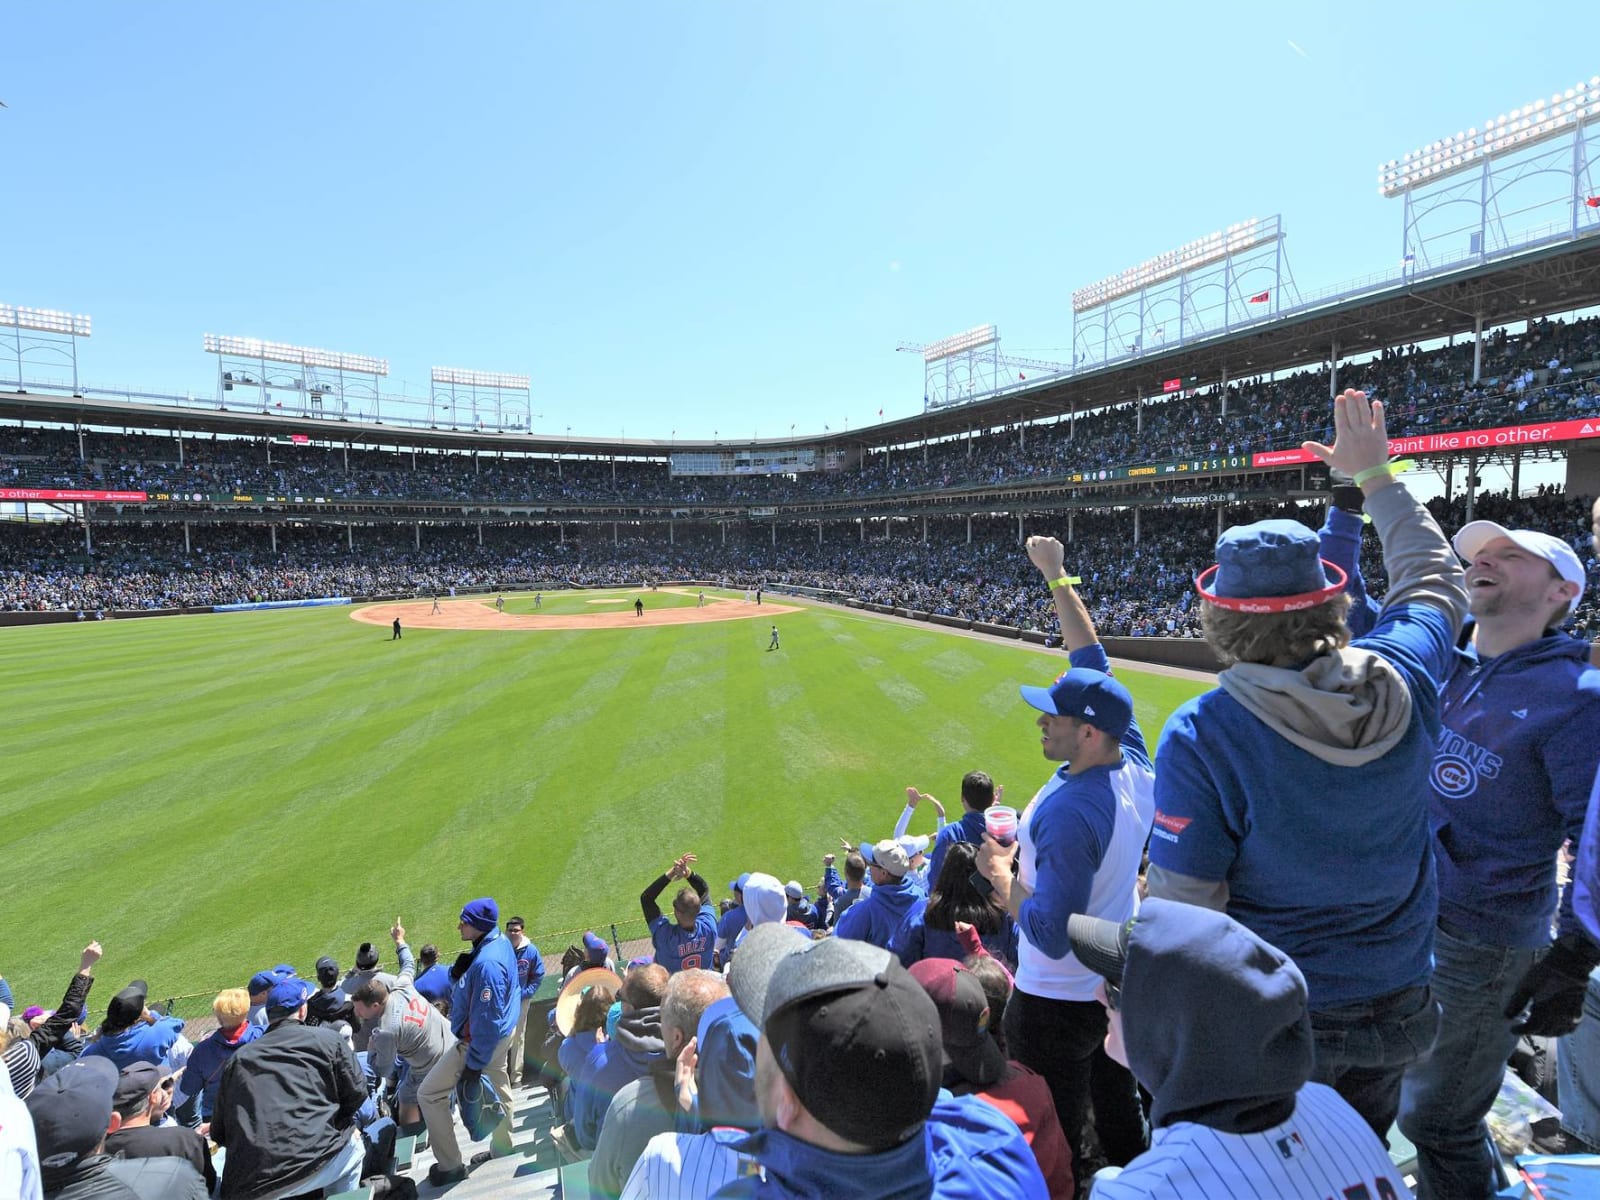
(1048, 555)
(1360, 438)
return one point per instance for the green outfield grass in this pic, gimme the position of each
(210, 795)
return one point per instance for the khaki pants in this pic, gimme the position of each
(514, 1055)
(440, 1085)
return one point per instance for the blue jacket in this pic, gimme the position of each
(968, 829)
(139, 1042)
(876, 916)
(530, 969)
(485, 1002)
(434, 983)
(1586, 871)
(915, 940)
(203, 1074)
(968, 1151)
(1512, 773)
(611, 1066)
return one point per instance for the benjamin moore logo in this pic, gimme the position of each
(1459, 765)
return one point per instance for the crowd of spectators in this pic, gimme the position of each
(1550, 371)
(1135, 588)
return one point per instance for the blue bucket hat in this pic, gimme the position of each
(1091, 696)
(1270, 567)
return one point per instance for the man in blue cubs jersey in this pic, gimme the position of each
(686, 939)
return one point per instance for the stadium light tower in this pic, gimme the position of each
(312, 377)
(969, 366)
(1529, 176)
(456, 389)
(46, 332)
(1231, 277)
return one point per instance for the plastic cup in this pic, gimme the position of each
(1001, 822)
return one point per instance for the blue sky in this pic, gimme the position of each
(692, 217)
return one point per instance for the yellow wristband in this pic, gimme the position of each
(1064, 581)
(1388, 468)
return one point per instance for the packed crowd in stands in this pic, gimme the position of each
(1329, 907)
(1549, 372)
(1134, 589)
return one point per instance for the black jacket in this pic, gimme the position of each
(102, 1178)
(284, 1108)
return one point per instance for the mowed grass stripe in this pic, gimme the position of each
(210, 795)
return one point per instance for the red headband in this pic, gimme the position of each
(1271, 604)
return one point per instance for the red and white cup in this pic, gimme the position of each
(1001, 822)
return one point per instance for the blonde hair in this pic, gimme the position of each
(231, 1007)
(1276, 639)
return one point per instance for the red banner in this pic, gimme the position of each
(1502, 437)
(58, 494)
(1172, 385)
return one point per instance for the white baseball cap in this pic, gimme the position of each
(1472, 537)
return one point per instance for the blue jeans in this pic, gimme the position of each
(1363, 1050)
(1444, 1100)
(1578, 1071)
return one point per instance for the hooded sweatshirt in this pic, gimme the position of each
(876, 916)
(1511, 777)
(1304, 790)
(1586, 871)
(612, 1065)
(1215, 1026)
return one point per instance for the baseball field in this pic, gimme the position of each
(209, 795)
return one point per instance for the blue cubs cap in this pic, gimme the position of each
(1093, 697)
(287, 995)
(738, 884)
(1270, 567)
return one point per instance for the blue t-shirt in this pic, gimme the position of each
(678, 949)
(968, 829)
(1586, 871)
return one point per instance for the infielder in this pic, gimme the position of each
(773, 645)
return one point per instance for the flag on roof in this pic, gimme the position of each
(1261, 297)
(1593, 201)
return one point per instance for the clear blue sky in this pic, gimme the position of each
(699, 216)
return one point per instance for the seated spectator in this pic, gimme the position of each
(330, 1002)
(260, 985)
(847, 1081)
(688, 938)
(287, 1105)
(132, 1033)
(203, 1073)
(800, 909)
(1213, 1022)
(975, 1065)
(929, 930)
(143, 1097)
(434, 982)
(649, 1105)
(72, 1113)
(876, 917)
(580, 1018)
(615, 1062)
(732, 921)
(996, 982)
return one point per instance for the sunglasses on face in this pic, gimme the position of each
(1113, 996)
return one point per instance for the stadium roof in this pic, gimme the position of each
(1553, 279)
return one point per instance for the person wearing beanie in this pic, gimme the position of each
(133, 1033)
(330, 1002)
(1295, 796)
(366, 967)
(847, 1073)
(72, 1114)
(287, 1105)
(1212, 1020)
(484, 1003)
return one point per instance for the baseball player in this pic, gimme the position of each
(1213, 1021)
(500, 604)
(538, 600)
(773, 644)
(436, 608)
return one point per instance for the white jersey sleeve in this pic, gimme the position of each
(681, 1166)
